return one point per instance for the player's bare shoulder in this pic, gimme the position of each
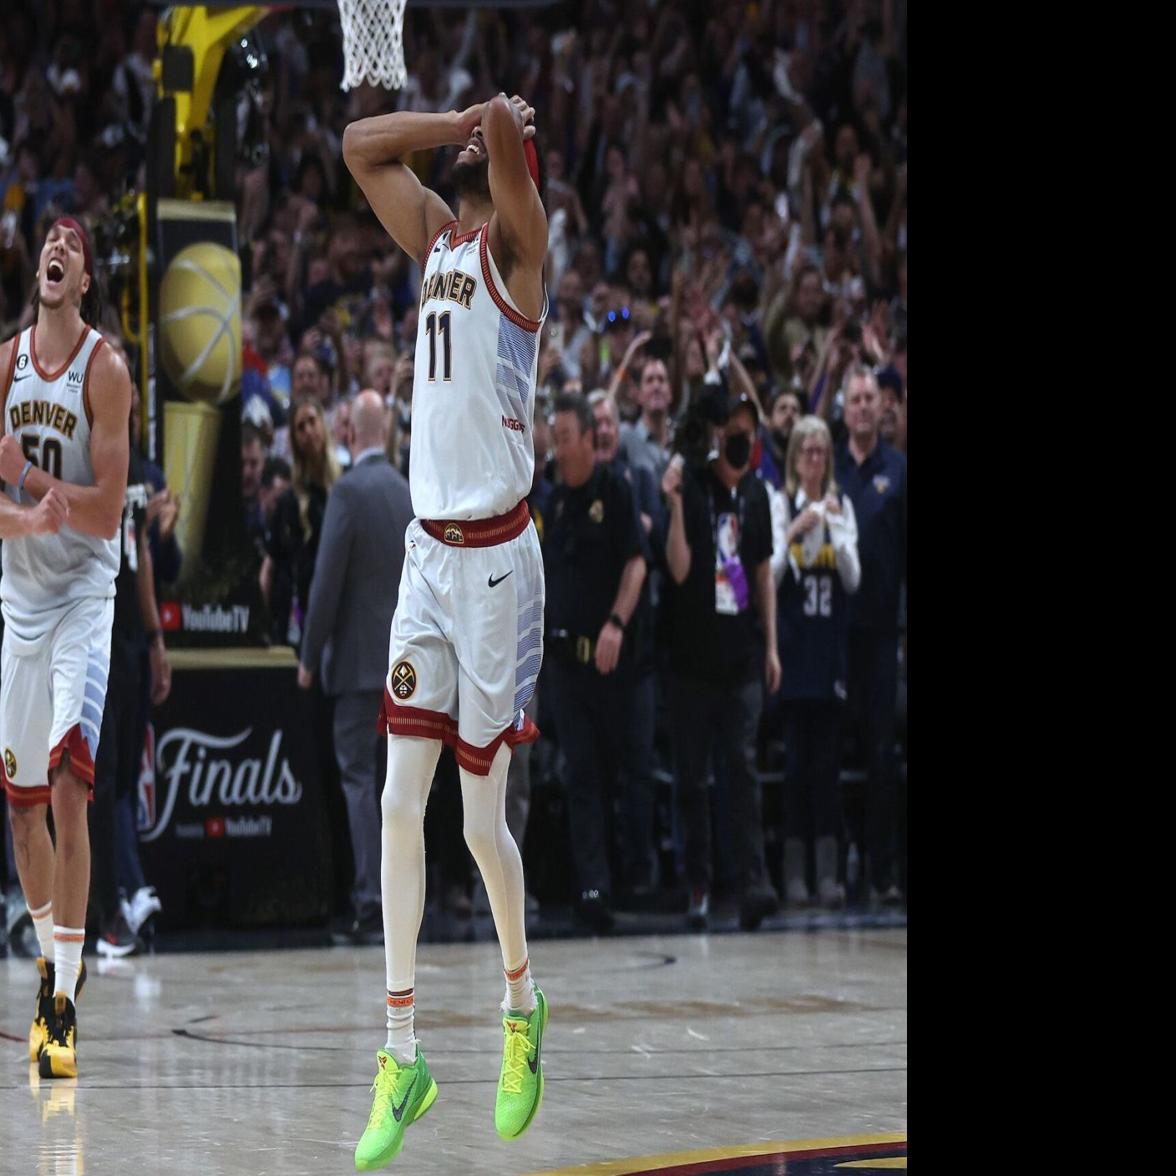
(108, 387)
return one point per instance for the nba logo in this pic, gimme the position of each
(146, 807)
(728, 536)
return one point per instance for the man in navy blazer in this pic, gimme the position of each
(352, 598)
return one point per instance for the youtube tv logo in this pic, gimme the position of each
(169, 616)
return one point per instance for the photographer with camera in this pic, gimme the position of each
(718, 551)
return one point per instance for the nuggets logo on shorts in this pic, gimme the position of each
(403, 680)
(10, 763)
(453, 534)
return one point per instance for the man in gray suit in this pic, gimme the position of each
(347, 626)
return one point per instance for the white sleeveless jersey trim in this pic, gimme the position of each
(433, 241)
(49, 413)
(477, 358)
(499, 292)
(53, 377)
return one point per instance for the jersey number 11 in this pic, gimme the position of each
(438, 324)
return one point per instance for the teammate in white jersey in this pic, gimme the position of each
(467, 639)
(63, 460)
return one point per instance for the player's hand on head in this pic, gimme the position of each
(469, 120)
(527, 112)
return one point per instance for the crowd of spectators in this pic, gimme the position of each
(726, 189)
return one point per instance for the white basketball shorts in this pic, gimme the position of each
(53, 671)
(467, 636)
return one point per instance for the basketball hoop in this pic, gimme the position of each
(373, 43)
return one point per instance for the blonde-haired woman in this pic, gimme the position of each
(813, 624)
(293, 539)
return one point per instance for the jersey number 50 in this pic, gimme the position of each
(50, 453)
(438, 324)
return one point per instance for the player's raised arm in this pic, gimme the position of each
(98, 509)
(373, 149)
(520, 223)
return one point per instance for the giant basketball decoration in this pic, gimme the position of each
(200, 322)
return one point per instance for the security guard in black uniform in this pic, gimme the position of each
(594, 556)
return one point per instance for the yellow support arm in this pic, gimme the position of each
(206, 32)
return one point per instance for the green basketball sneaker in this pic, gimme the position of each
(520, 1085)
(403, 1095)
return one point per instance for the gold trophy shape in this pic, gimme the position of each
(200, 348)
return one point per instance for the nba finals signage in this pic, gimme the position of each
(197, 347)
(231, 822)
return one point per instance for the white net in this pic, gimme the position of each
(373, 43)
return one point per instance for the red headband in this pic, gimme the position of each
(68, 222)
(532, 159)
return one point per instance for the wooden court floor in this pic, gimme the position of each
(681, 1048)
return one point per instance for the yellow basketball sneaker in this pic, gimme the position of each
(520, 1084)
(403, 1095)
(43, 1010)
(59, 1058)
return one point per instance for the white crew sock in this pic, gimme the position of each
(520, 990)
(401, 1042)
(67, 943)
(43, 925)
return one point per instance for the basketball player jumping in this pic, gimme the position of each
(466, 641)
(63, 459)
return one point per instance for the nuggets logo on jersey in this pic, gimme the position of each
(404, 680)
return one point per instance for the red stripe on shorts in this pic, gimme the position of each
(410, 720)
(479, 759)
(80, 762)
(27, 797)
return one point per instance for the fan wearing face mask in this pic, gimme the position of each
(721, 606)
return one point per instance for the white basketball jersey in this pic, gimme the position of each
(47, 412)
(473, 396)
